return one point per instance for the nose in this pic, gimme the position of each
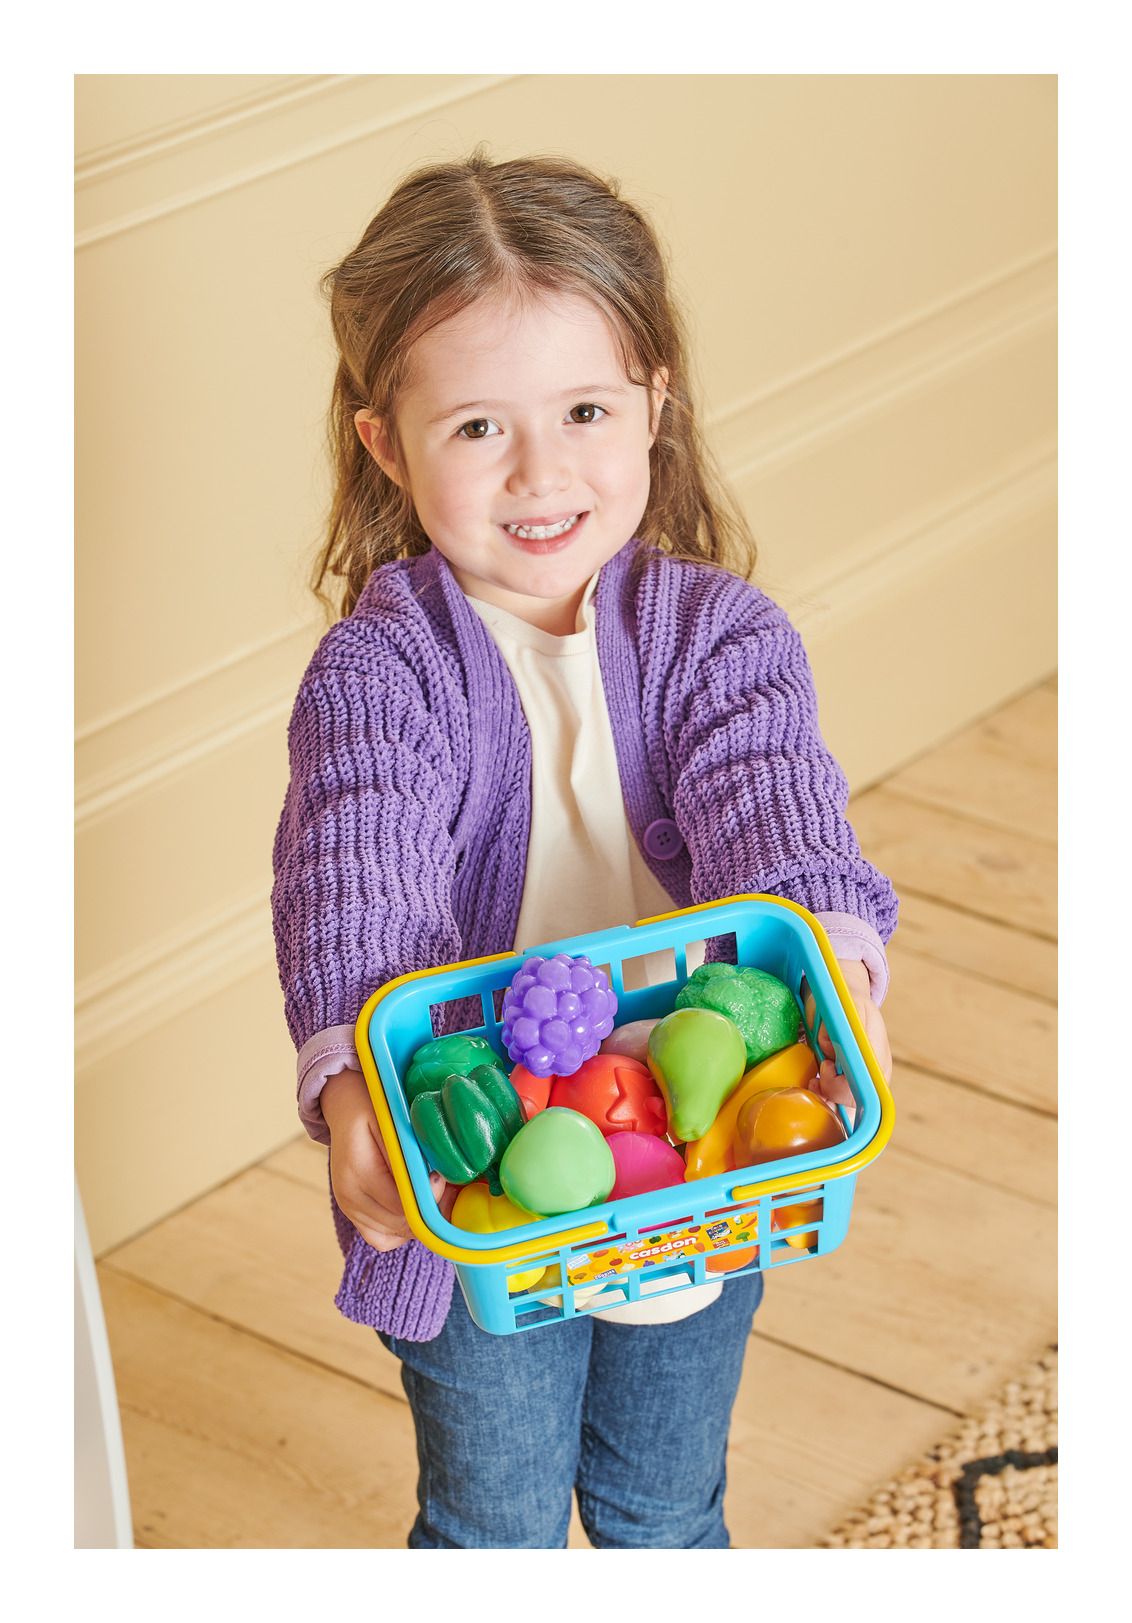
(538, 468)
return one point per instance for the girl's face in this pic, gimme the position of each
(523, 415)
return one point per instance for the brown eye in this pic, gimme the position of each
(478, 426)
(587, 406)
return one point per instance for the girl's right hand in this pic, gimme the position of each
(363, 1185)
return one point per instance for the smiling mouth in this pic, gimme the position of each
(544, 532)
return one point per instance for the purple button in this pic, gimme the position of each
(663, 840)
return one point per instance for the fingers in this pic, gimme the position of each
(385, 1230)
(382, 1228)
(878, 1037)
(877, 1033)
(379, 1239)
(832, 1085)
(367, 1191)
(824, 1042)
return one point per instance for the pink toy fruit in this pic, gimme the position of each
(555, 1013)
(643, 1162)
(631, 1040)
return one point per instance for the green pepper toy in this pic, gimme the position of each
(761, 1005)
(434, 1062)
(466, 1124)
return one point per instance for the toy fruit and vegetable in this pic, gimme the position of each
(558, 1162)
(789, 1217)
(466, 1124)
(698, 1057)
(582, 1118)
(728, 1261)
(434, 1062)
(533, 1091)
(632, 1039)
(761, 1005)
(788, 1121)
(643, 1162)
(791, 1067)
(553, 1276)
(785, 1121)
(618, 1094)
(476, 1208)
(555, 1013)
(722, 1150)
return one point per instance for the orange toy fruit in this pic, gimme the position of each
(787, 1121)
(788, 1217)
(791, 1067)
(730, 1260)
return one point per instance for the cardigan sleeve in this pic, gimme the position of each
(364, 864)
(758, 798)
(363, 857)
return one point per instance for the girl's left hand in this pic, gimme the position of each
(830, 1084)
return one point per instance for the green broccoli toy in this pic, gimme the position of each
(761, 1005)
(434, 1062)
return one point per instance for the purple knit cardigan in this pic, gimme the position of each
(403, 839)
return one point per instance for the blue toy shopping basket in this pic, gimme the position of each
(671, 1239)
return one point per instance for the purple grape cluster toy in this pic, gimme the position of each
(556, 1013)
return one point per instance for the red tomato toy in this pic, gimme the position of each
(533, 1091)
(617, 1093)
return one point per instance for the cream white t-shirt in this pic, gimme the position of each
(584, 871)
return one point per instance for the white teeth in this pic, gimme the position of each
(542, 532)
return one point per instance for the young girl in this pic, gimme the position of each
(550, 708)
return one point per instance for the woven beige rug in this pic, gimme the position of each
(989, 1485)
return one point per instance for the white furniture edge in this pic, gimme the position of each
(102, 1496)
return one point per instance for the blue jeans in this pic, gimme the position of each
(635, 1417)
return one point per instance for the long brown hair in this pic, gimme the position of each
(453, 232)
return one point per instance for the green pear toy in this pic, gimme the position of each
(698, 1058)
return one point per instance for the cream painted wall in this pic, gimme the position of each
(868, 265)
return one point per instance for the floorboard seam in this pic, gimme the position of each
(254, 1335)
(899, 1059)
(179, 1211)
(1049, 1204)
(892, 792)
(934, 803)
(291, 1177)
(975, 974)
(859, 1374)
(906, 889)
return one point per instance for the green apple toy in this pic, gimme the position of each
(558, 1162)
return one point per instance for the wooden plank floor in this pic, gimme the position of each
(255, 1416)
